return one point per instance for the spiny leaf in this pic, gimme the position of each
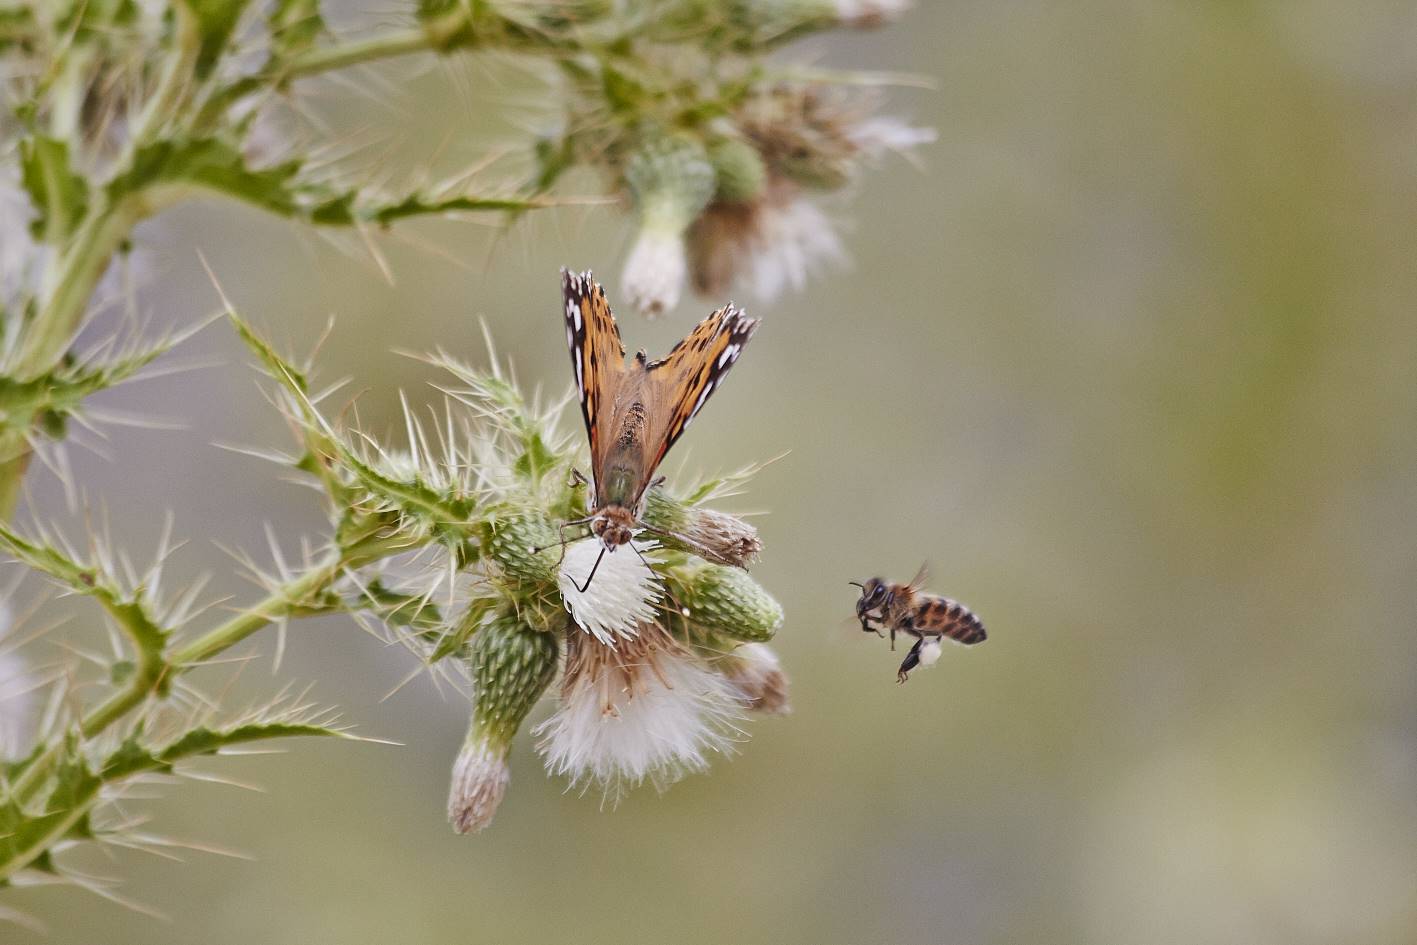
(206, 741)
(126, 609)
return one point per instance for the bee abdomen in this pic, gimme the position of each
(951, 619)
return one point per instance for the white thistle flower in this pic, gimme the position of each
(480, 779)
(16, 693)
(868, 13)
(878, 135)
(654, 274)
(646, 708)
(619, 599)
(756, 673)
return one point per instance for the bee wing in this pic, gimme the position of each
(597, 357)
(917, 583)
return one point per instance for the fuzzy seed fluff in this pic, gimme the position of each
(655, 271)
(643, 709)
(620, 597)
(930, 653)
(480, 778)
(755, 672)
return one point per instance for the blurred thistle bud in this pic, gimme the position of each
(739, 171)
(645, 708)
(671, 181)
(727, 601)
(523, 542)
(511, 666)
(716, 536)
(754, 671)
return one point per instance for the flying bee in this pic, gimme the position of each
(929, 618)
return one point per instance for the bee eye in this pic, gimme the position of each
(878, 593)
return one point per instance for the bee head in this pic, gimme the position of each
(873, 595)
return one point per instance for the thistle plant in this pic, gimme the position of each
(684, 114)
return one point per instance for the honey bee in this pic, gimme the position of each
(929, 618)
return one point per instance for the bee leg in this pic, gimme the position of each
(892, 638)
(912, 660)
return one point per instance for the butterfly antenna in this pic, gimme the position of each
(593, 568)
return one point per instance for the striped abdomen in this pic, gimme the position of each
(950, 618)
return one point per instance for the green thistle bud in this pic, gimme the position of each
(511, 666)
(523, 542)
(671, 181)
(726, 600)
(739, 169)
(716, 536)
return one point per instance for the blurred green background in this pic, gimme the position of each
(1129, 359)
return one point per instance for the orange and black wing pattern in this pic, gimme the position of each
(597, 356)
(684, 378)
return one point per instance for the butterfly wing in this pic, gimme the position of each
(679, 384)
(597, 357)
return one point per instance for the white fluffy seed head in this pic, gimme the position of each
(620, 597)
(645, 709)
(480, 778)
(930, 653)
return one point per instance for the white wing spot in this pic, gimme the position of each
(699, 404)
(729, 354)
(580, 380)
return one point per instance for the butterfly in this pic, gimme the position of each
(634, 413)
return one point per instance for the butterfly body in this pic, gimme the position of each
(635, 412)
(929, 618)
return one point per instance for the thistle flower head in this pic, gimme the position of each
(645, 709)
(777, 242)
(511, 666)
(670, 181)
(755, 672)
(619, 598)
(717, 536)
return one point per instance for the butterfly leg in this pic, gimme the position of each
(578, 478)
(912, 660)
